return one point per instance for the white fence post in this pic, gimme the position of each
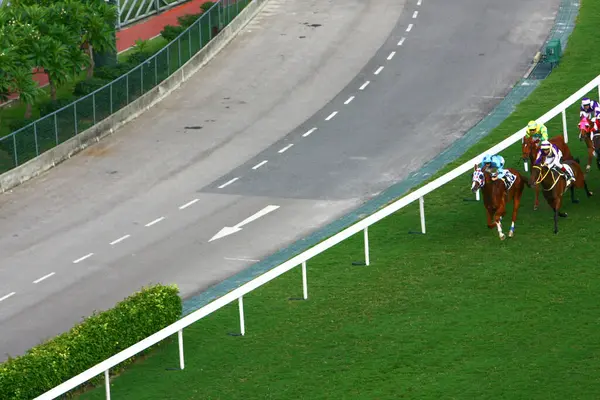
(524, 161)
(181, 360)
(366, 234)
(241, 304)
(304, 282)
(564, 121)
(422, 212)
(107, 384)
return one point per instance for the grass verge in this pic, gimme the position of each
(452, 314)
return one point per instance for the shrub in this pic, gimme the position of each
(50, 106)
(138, 57)
(206, 6)
(112, 72)
(187, 20)
(89, 85)
(95, 339)
(17, 124)
(170, 32)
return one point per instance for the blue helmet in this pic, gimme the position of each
(498, 160)
(487, 159)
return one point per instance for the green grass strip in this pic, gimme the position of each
(452, 314)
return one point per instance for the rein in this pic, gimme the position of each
(541, 178)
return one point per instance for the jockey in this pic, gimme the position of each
(553, 159)
(589, 109)
(495, 162)
(537, 131)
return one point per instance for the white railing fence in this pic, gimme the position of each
(301, 259)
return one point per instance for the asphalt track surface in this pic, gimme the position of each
(313, 109)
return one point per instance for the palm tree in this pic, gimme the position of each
(98, 28)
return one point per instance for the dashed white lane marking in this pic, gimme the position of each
(119, 240)
(401, 42)
(379, 70)
(186, 205)
(83, 258)
(7, 296)
(392, 54)
(409, 27)
(286, 148)
(228, 183)
(260, 164)
(156, 221)
(44, 277)
(349, 100)
(415, 14)
(364, 85)
(309, 132)
(241, 259)
(419, 2)
(333, 114)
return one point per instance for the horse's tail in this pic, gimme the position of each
(525, 179)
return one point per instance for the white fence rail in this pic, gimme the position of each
(301, 259)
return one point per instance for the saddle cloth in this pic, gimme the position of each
(509, 179)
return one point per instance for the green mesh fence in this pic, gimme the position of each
(55, 128)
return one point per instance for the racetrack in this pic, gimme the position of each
(265, 91)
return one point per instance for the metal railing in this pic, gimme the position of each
(301, 259)
(131, 11)
(61, 125)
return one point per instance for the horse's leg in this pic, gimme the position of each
(573, 199)
(588, 167)
(555, 220)
(498, 219)
(587, 191)
(516, 204)
(558, 200)
(537, 198)
(490, 215)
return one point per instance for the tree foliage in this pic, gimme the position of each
(57, 37)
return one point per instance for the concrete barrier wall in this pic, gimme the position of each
(111, 124)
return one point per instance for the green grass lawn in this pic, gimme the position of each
(454, 314)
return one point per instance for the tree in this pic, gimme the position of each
(16, 61)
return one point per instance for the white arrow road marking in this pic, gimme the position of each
(228, 230)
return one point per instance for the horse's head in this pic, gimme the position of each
(585, 127)
(528, 148)
(478, 179)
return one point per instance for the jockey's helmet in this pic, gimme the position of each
(498, 160)
(585, 103)
(487, 159)
(545, 146)
(532, 126)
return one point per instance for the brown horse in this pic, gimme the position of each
(555, 185)
(585, 129)
(530, 149)
(496, 194)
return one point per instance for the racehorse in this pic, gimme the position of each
(585, 129)
(497, 193)
(530, 149)
(555, 185)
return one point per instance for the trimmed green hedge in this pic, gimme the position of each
(95, 339)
